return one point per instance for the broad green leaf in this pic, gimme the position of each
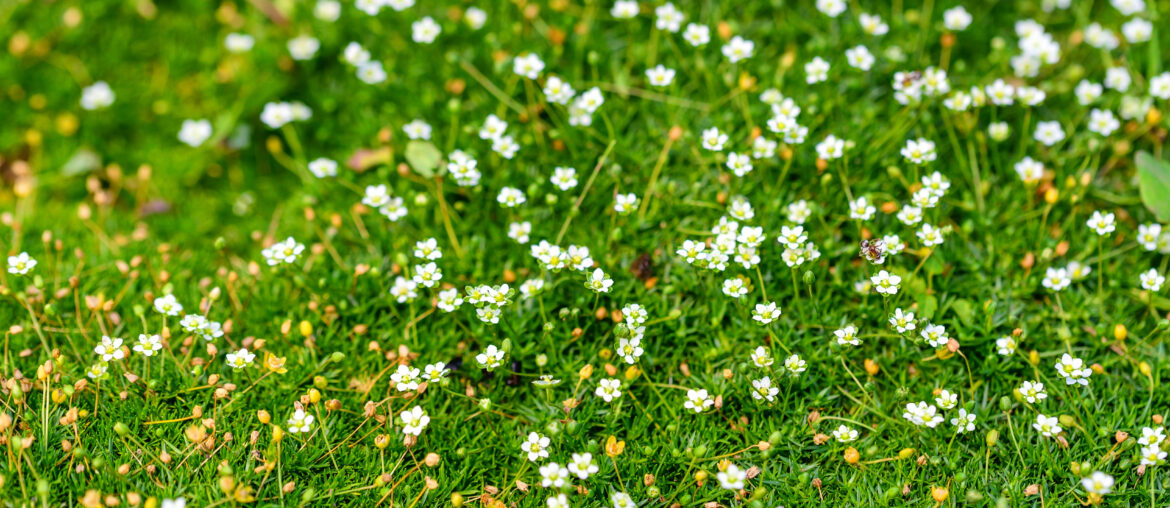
(1154, 182)
(423, 157)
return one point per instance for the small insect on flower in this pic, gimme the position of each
(148, 345)
(109, 349)
(240, 359)
(300, 422)
(733, 478)
(21, 264)
(582, 465)
(536, 447)
(414, 420)
(844, 434)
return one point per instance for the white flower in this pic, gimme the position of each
(1030, 171)
(1001, 93)
(1033, 392)
(660, 75)
(21, 264)
(886, 283)
(738, 49)
(816, 71)
(1102, 223)
(946, 399)
(1056, 279)
(303, 47)
(168, 305)
(598, 281)
(847, 335)
(625, 203)
(1152, 455)
(195, 132)
(491, 358)
(859, 57)
(919, 151)
(1099, 482)
(936, 336)
(762, 389)
(148, 344)
(630, 350)
(713, 139)
(528, 65)
(300, 422)
(860, 209)
(511, 197)
(404, 289)
(766, 312)
(831, 8)
(406, 378)
(1005, 346)
(582, 465)
(283, 252)
(1117, 78)
(624, 9)
(1152, 280)
(1160, 86)
(97, 96)
(872, 24)
(734, 287)
(831, 148)
(922, 414)
(109, 349)
(1103, 122)
(795, 365)
(844, 434)
(371, 73)
(417, 129)
(697, 35)
(1137, 30)
(1073, 370)
(667, 17)
(929, 235)
(323, 168)
(536, 447)
(964, 421)
(903, 321)
(554, 475)
(238, 43)
(1152, 436)
(956, 19)
(1049, 133)
(240, 359)
(414, 420)
(425, 30)
(475, 17)
(327, 10)
(519, 231)
(698, 400)
(1047, 426)
(733, 478)
(609, 389)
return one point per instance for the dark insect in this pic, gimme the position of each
(910, 78)
(873, 250)
(643, 267)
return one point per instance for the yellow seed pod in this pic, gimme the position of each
(277, 434)
(1144, 368)
(1051, 195)
(852, 456)
(314, 396)
(1033, 357)
(1119, 332)
(939, 494)
(263, 416)
(633, 372)
(906, 453)
(306, 328)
